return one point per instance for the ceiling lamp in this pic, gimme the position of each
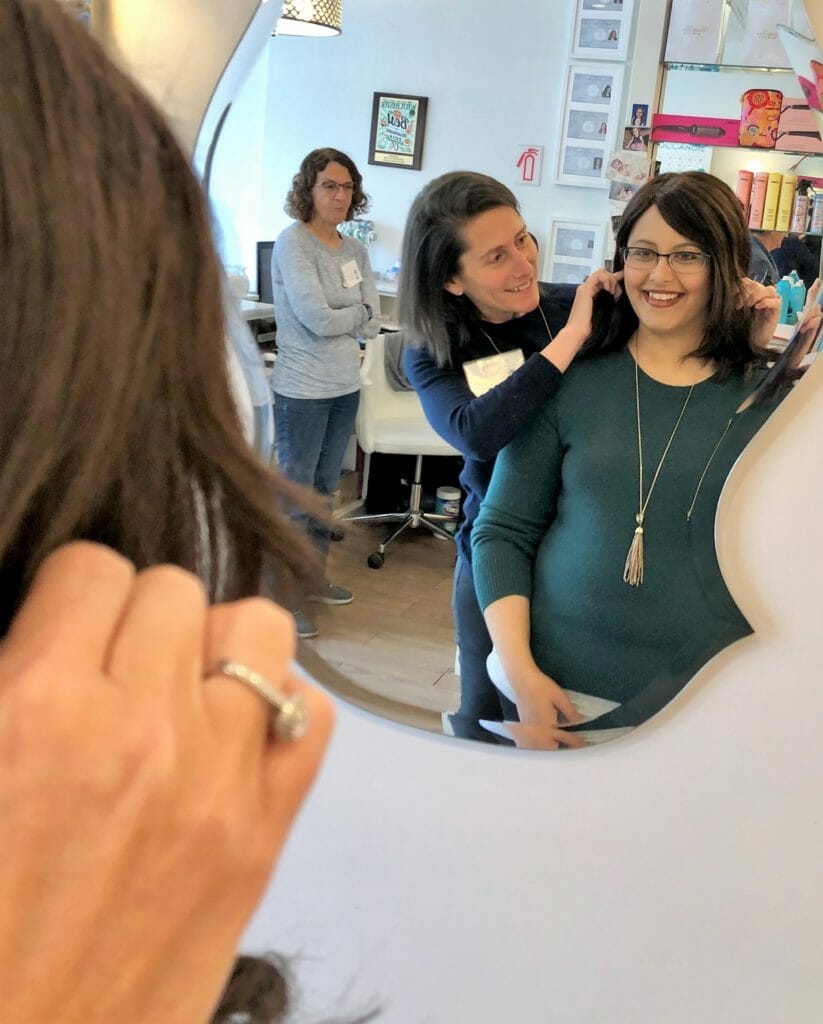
(310, 18)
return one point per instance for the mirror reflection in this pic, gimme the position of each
(397, 638)
(586, 590)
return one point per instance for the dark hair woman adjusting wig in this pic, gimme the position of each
(488, 349)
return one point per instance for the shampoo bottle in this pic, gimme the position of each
(784, 291)
(798, 298)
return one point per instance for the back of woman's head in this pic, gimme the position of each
(117, 421)
(433, 243)
(299, 203)
(706, 211)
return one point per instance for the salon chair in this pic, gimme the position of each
(393, 422)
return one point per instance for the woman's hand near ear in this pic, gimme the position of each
(566, 343)
(143, 800)
(764, 301)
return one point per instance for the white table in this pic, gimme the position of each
(251, 310)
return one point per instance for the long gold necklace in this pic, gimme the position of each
(545, 324)
(633, 569)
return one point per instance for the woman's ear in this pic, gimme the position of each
(454, 287)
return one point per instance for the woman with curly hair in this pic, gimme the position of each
(326, 300)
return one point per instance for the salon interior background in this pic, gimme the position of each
(494, 80)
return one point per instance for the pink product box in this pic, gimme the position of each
(797, 128)
(700, 131)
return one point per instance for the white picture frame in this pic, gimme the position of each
(601, 29)
(575, 249)
(592, 122)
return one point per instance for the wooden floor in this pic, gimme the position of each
(396, 638)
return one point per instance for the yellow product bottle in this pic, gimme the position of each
(770, 202)
(785, 202)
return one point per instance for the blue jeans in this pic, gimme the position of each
(311, 435)
(479, 697)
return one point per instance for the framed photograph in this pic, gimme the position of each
(398, 125)
(636, 140)
(601, 29)
(590, 123)
(575, 250)
(640, 115)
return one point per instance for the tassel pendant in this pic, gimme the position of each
(633, 569)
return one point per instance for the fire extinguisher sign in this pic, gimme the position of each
(528, 165)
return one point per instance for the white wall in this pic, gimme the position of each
(237, 186)
(494, 75)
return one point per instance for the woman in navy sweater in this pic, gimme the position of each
(490, 348)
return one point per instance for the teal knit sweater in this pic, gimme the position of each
(559, 517)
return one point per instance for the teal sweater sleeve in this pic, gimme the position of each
(517, 510)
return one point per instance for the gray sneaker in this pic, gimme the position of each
(332, 594)
(306, 626)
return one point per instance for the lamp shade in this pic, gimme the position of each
(310, 18)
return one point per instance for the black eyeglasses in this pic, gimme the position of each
(331, 187)
(683, 262)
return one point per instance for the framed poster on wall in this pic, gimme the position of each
(575, 250)
(398, 124)
(591, 121)
(601, 29)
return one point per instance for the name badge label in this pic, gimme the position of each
(351, 274)
(484, 374)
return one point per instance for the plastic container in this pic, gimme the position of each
(784, 291)
(798, 299)
(816, 225)
(785, 202)
(447, 503)
(770, 202)
(743, 189)
(758, 200)
(800, 213)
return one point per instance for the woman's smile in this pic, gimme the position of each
(661, 299)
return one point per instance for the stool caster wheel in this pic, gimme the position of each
(375, 560)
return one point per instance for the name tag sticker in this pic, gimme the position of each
(484, 374)
(351, 274)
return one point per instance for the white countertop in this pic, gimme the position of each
(251, 310)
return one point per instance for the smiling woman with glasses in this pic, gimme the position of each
(325, 301)
(593, 551)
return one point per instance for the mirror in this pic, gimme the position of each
(398, 633)
(402, 612)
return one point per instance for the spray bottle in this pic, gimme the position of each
(784, 290)
(798, 297)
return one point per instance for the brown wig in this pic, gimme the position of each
(433, 244)
(705, 210)
(299, 203)
(117, 423)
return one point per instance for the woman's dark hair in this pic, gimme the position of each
(433, 243)
(256, 992)
(705, 210)
(299, 203)
(117, 422)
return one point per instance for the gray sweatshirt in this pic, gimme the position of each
(320, 309)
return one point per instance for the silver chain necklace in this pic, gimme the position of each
(545, 324)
